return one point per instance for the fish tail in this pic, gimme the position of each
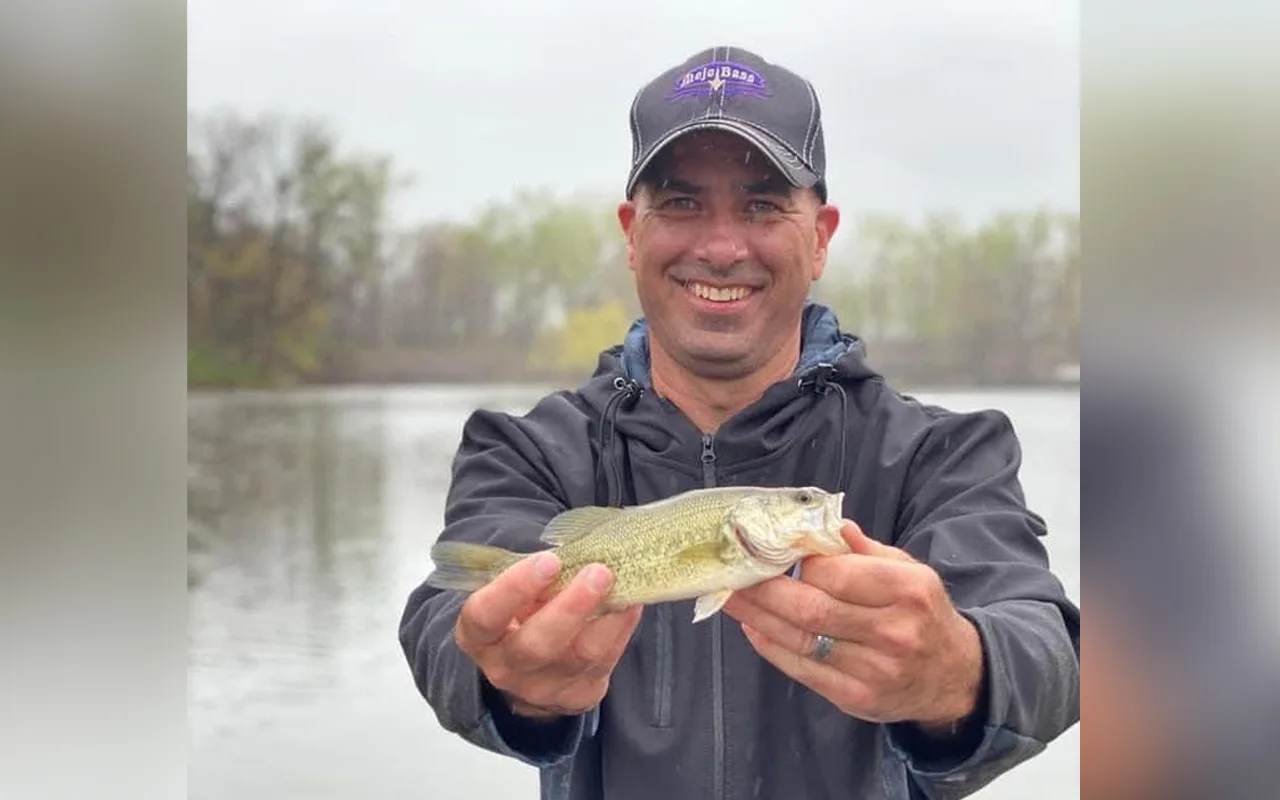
(466, 566)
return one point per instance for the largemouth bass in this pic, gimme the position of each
(704, 544)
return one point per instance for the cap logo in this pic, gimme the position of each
(727, 77)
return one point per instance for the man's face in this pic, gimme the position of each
(724, 251)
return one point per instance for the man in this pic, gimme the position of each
(941, 653)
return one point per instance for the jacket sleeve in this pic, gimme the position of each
(503, 493)
(962, 511)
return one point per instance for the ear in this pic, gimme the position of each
(627, 219)
(826, 221)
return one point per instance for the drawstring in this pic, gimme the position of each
(819, 379)
(626, 394)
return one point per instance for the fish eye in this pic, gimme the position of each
(804, 497)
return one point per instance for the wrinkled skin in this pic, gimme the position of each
(714, 210)
(551, 659)
(903, 653)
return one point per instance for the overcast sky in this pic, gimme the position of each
(969, 106)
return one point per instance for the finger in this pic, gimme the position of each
(745, 610)
(486, 615)
(549, 631)
(844, 691)
(529, 609)
(809, 608)
(777, 629)
(859, 579)
(864, 545)
(851, 655)
(603, 641)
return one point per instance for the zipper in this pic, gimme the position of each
(662, 675)
(708, 461)
(717, 644)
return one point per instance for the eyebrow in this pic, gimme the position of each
(772, 185)
(678, 185)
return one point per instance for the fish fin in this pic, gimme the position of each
(467, 566)
(575, 523)
(709, 604)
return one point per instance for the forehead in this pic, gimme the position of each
(719, 152)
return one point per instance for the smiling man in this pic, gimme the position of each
(935, 656)
(724, 250)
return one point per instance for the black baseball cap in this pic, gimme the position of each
(733, 89)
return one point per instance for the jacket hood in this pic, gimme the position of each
(630, 414)
(822, 342)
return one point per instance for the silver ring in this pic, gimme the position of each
(822, 647)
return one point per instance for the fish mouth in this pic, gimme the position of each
(821, 545)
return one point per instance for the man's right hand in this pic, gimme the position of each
(549, 660)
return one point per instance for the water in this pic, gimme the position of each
(311, 515)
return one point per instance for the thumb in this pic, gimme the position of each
(864, 545)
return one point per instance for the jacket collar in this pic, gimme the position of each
(821, 342)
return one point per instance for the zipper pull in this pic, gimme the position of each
(708, 462)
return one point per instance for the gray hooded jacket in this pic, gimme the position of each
(692, 711)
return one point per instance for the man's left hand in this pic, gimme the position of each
(901, 653)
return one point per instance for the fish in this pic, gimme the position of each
(701, 545)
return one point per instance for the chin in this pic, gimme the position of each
(721, 363)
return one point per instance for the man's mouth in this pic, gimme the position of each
(718, 294)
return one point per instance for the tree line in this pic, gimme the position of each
(297, 275)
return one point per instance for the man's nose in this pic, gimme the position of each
(722, 242)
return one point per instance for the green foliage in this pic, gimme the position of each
(574, 348)
(206, 367)
(996, 303)
(285, 245)
(295, 275)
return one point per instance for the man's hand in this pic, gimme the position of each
(902, 652)
(548, 660)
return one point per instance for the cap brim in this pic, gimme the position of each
(791, 167)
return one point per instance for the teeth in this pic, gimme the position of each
(719, 294)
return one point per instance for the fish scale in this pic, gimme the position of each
(703, 544)
(664, 552)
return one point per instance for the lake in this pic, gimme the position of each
(311, 514)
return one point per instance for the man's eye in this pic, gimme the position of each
(762, 206)
(679, 204)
